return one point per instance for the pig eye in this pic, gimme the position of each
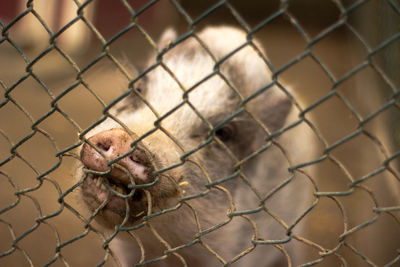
(225, 133)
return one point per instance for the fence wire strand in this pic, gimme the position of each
(358, 181)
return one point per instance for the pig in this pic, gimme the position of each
(193, 167)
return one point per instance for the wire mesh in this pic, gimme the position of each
(339, 73)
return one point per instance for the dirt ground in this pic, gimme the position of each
(44, 223)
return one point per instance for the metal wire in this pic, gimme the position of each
(355, 183)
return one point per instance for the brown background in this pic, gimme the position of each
(340, 51)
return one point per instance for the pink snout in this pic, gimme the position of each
(113, 144)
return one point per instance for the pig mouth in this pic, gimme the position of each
(114, 196)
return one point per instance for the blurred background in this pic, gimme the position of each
(58, 71)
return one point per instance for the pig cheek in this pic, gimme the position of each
(166, 190)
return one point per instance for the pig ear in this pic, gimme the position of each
(275, 110)
(168, 36)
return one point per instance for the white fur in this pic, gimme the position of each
(211, 97)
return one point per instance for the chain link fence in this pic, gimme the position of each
(64, 74)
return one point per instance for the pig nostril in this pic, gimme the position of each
(104, 146)
(132, 158)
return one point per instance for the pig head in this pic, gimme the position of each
(190, 162)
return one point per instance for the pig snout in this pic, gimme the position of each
(113, 144)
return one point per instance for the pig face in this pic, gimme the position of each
(186, 127)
